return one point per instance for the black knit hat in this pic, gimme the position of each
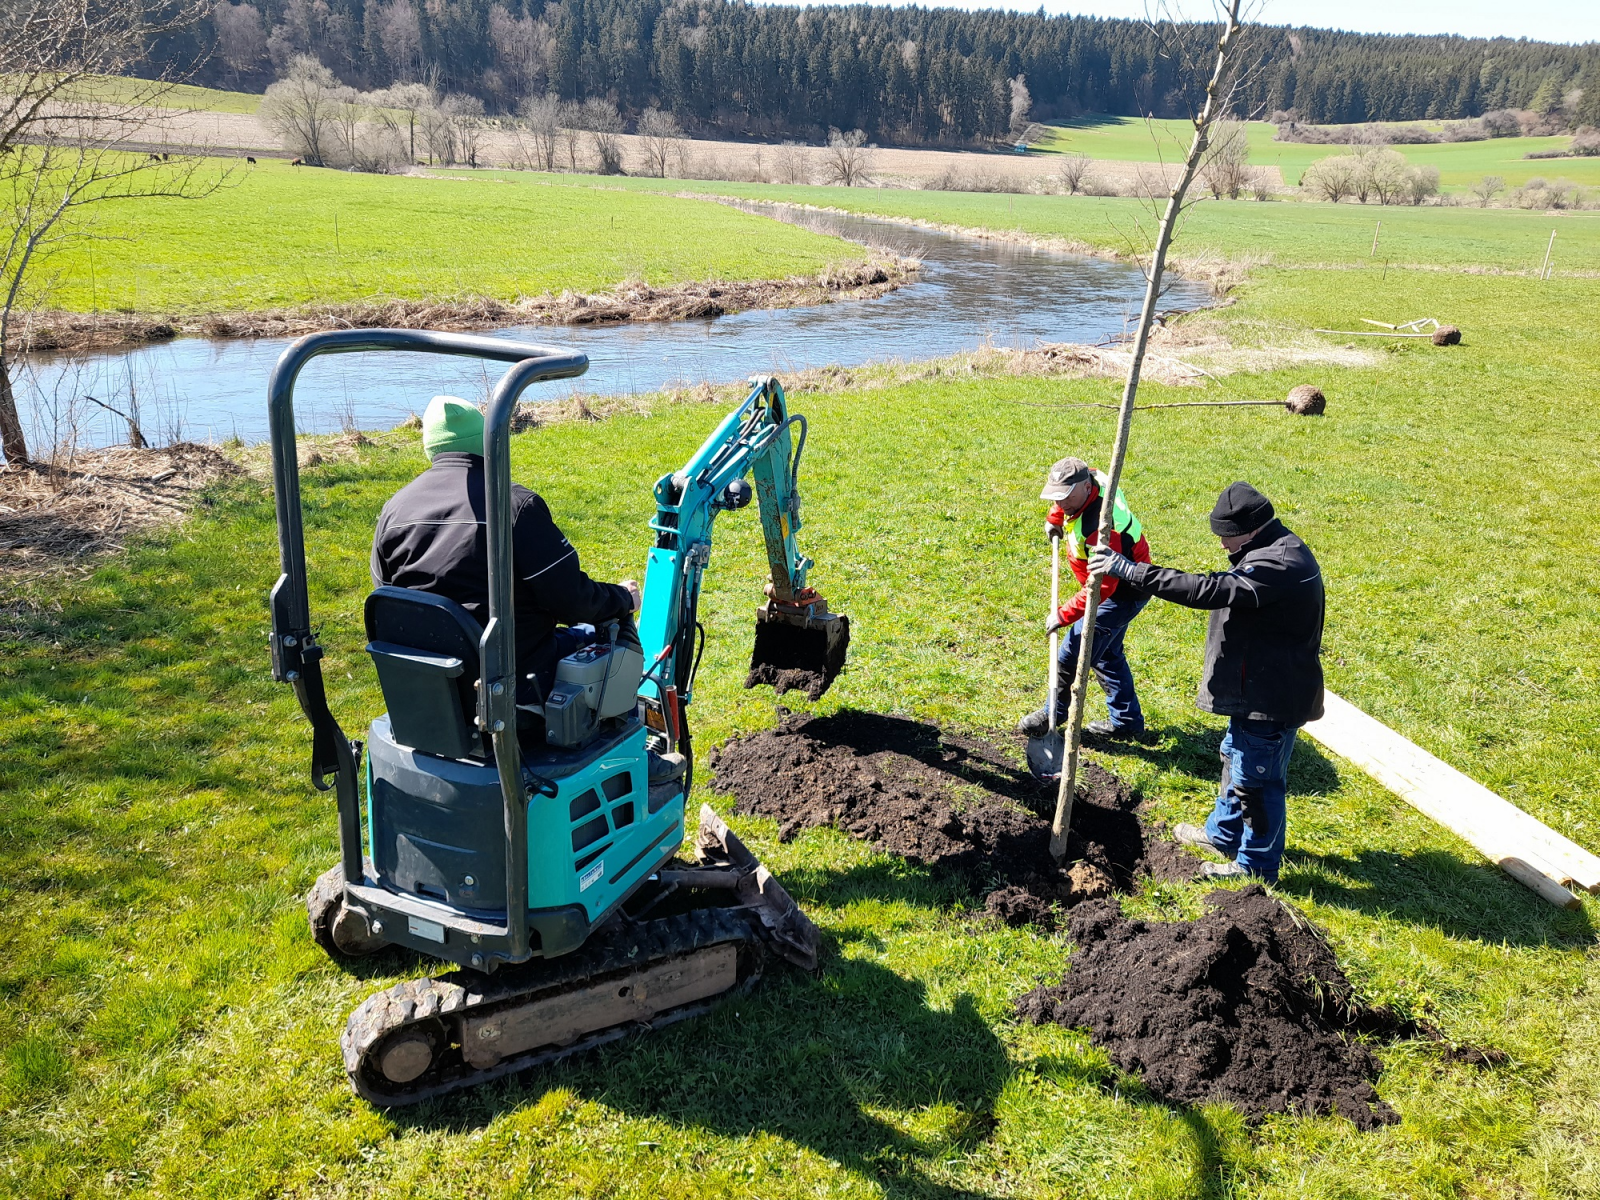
(1240, 510)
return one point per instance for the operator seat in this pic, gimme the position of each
(425, 648)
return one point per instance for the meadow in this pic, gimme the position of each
(1461, 164)
(115, 89)
(168, 1029)
(1308, 234)
(281, 236)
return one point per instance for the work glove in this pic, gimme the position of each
(1052, 532)
(1054, 622)
(1109, 562)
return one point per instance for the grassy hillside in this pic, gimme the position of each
(1461, 164)
(282, 235)
(114, 89)
(167, 1028)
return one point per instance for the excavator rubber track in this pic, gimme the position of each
(430, 1037)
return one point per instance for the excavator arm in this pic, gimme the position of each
(799, 643)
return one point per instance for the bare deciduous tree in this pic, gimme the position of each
(1487, 188)
(1221, 82)
(1073, 171)
(65, 147)
(463, 116)
(241, 36)
(792, 163)
(1330, 179)
(1226, 167)
(521, 48)
(847, 159)
(398, 30)
(302, 109)
(663, 138)
(1021, 106)
(541, 116)
(408, 100)
(1421, 183)
(1387, 174)
(569, 120)
(604, 126)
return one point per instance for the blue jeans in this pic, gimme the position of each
(1248, 821)
(1111, 668)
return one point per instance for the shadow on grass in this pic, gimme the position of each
(811, 1061)
(1435, 888)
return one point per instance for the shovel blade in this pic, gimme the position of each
(1046, 753)
(798, 653)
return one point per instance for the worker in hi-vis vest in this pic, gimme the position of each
(1076, 493)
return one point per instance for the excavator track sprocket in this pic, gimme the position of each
(430, 1037)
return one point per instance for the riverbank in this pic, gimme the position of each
(76, 333)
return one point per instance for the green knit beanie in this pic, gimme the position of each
(451, 424)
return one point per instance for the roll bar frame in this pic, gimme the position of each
(296, 656)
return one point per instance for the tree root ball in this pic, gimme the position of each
(1447, 335)
(1306, 401)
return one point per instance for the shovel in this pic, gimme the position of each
(1044, 751)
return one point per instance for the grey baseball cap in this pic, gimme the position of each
(1063, 477)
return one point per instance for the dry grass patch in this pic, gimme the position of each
(55, 515)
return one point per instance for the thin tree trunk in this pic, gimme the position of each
(12, 440)
(1108, 500)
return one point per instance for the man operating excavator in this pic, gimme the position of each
(1076, 494)
(1263, 671)
(432, 536)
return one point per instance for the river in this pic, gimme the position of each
(969, 291)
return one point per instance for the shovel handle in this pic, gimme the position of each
(1055, 637)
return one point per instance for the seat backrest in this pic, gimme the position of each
(426, 650)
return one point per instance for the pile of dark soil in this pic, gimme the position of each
(1245, 1005)
(949, 802)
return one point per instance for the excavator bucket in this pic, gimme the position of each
(798, 651)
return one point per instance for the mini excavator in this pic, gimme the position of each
(540, 860)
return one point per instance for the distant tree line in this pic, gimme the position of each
(905, 75)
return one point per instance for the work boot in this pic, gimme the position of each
(665, 768)
(1114, 733)
(1193, 835)
(1223, 871)
(1037, 724)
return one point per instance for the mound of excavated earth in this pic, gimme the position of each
(949, 802)
(1245, 1005)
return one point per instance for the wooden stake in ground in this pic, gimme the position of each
(1544, 269)
(1218, 94)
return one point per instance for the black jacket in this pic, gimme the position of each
(1264, 643)
(431, 536)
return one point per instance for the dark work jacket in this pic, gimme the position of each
(1264, 643)
(431, 536)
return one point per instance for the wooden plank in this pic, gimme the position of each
(1500, 830)
(562, 1019)
(1447, 795)
(1539, 882)
(1496, 827)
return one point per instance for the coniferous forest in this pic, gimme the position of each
(904, 75)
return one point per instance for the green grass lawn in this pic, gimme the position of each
(1461, 164)
(168, 1029)
(1290, 235)
(292, 235)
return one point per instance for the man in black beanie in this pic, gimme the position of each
(1263, 669)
